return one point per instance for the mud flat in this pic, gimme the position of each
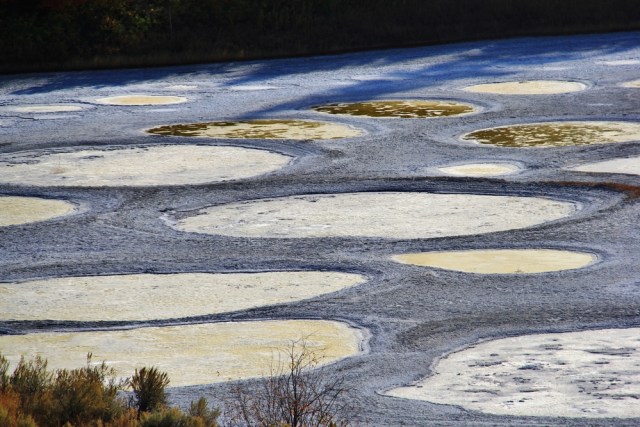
(166, 296)
(142, 100)
(530, 87)
(398, 109)
(191, 354)
(126, 166)
(389, 215)
(500, 261)
(15, 210)
(591, 374)
(557, 134)
(261, 129)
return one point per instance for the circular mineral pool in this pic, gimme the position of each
(634, 84)
(16, 210)
(382, 214)
(529, 87)
(557, 134)
(480, 169)
(142, 100)
(131, 166)
(399, 109)
(591, 374)
(500, 261)
(628, 166)
(190, 354)
(261, 129)
(54, 108)
(166, 296)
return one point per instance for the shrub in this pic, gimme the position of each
(296, 394)
(148, 386)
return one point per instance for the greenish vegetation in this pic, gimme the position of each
(34, 396)
(65, 34)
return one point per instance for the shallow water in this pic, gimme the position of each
(261, 129)
(190, 354)
(398, 109)
(557, 134)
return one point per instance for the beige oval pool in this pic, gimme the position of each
(399, 109)
(15, 210)
(392, 215)
(500, 261)
(166, 296)
(480, 169)
(136, 100)
(528, 87)
(190, 354)
(556, 134)
(261, 129)
(131, 166)
(590, 374)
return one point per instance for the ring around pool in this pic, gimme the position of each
(191, 354)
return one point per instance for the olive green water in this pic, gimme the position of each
(398, 109)
(557, 134)
(260, 129)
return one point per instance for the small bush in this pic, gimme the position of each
(148, 386)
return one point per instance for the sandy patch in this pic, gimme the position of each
(190, 354)
(155, 165)
(557, 134)
(261, 129)
(166, 296)
(389, 215)
(629, 166)
(46, 108)
(500, 261)
(580, 374)
(480, 169)
(531, 87)
(399, 109)
(142, 100)
(22, 210)
(634, 84)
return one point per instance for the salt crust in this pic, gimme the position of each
(191, 354)
(529, 87)
(500, 261)
(591, 374)
(131, 166)
(16, 210)
(384, 214)
(166, 296)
